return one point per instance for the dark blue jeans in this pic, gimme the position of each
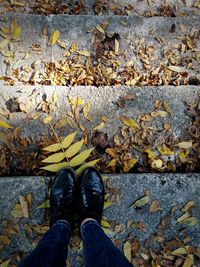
(99, 251)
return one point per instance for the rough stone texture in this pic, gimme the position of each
(76, 29)
(169, 189)
(102, 103)
(184, 8)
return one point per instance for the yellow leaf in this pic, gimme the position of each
(161, 113)
(179, 251)
(188, 206)
(88, 164)
(150, 154)
(4, 43)
(141, 202)
(127, 250)
(54, 37)
(53, 148)
(56, 167)
(189, 261)
(156, 164)
(105, 224)
(5, 263)
(185, 145)
(84, 53)
(107, 231)
(100, 29)
(99, 126)
(85, 112)
(44, 205)
(116, 46)
(129, 164)
(58, 157)
(112, 163)
(17, 32)
(47, 120)
(74, 149)
(5, 125)
(183, 217)
(129, 122)
(61, 123)
(80, 158)
(107, 204)
(73, 47)
(167, 107)
(182, 156)
(68, 140)
(191, 221)
(175, 68)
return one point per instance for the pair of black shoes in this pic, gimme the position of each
(71, 195)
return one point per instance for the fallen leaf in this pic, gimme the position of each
(80, 158)
(4, 43)
(100, 29)
(183, 217)
(99, 126)
(44, 205)
(84, 53)
(4, 240)
(58, 157)
(5, 125)
(189, 261)
(47, 120)
(56, 167)
(74, 149)
(88, 164)
(167, 107)
(5, 263)
(17, 32)
(105, 224)
(188, 206)
(129, 122)
(54, 37)
(86, 112)
(24, 206)
(127, 250)
(184, 145)
(141, 202)
(191, 221)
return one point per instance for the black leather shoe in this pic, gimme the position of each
(91, 195)
(62, 196)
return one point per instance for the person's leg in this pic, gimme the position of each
(52, 249)
(99, 250)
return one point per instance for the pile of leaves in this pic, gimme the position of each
(106, 64)
(137, 146)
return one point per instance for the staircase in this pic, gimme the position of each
(125, 75)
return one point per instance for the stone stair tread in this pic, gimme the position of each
(171, 190)
(104, 108)
(161, 33)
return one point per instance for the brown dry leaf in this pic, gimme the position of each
(155, 206)
(24, 206)
(86, 112)
(4, 240)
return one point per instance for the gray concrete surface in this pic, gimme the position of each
(102, 102)
(170, 189)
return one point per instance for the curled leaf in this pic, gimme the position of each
(129, 122)
(141, 202)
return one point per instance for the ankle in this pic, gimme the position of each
(87, 220)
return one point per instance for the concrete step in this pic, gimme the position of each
(159, 124)
(144, 51)
(121, 7)
(153, 226)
